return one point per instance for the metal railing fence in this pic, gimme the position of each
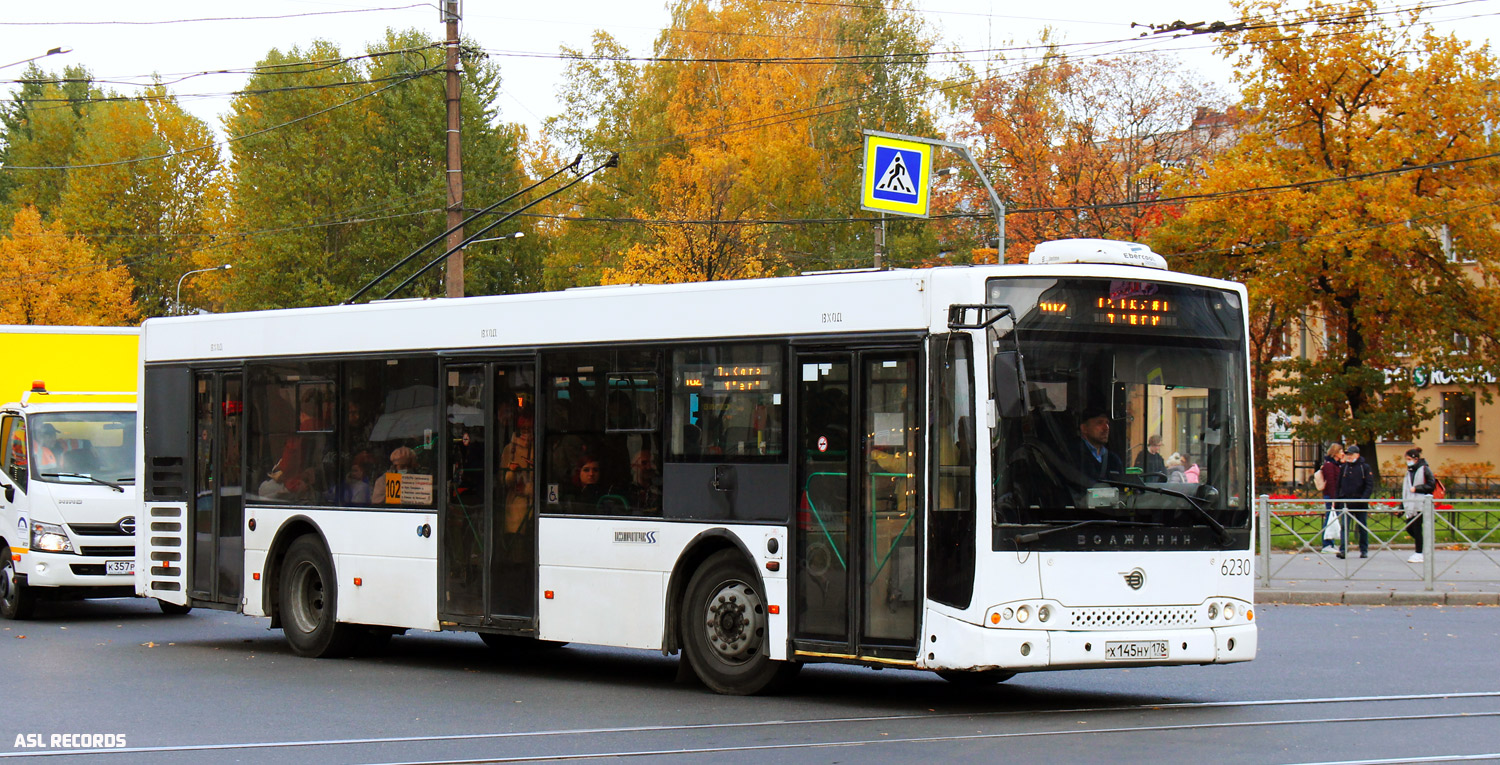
(1466, 531)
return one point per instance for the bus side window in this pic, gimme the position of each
(16, 463)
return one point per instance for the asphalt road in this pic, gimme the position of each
(1333, 684)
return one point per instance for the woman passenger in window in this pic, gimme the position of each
(516, 464)
(588, 487)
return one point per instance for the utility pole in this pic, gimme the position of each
(453, 274)
(880, 244)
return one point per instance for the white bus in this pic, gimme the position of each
(885, 468)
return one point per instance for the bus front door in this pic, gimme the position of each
(859, 436)
(488, 529)
(218, 513)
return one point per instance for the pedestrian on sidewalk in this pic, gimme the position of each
(1327, 481)
(1419, 479)
(1356, 484)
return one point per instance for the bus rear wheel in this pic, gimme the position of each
(309, 600)
(724, 629)
(17, 601)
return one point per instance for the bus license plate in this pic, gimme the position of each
(1135, 650)
(112, 567)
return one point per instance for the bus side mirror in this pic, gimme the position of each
(10, 493)
(1008, 381)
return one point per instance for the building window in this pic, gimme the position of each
(1458, 418)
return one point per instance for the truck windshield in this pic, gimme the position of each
(1137, 431)
(83, 447)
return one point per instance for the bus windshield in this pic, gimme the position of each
(83, 447)
(1135, 431)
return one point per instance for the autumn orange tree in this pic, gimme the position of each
(1071, 144)
(748, 116)
(50, 277)
(1366, 136)
(136, 175)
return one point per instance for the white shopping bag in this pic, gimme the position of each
(1332, 529)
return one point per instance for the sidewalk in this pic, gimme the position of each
(1461, 578)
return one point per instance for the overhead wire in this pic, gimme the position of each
(232, 139)
(161, 22)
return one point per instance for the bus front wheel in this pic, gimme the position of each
(309, 601)
(981, 679)
(17, 601)
(724, 629)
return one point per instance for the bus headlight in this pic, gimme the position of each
(1023, 614)
(1213, 611)
(1044, 613)
(1228, 611)
(49, 537)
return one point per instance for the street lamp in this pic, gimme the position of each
(177, 305)
(516, 235)
(52, 52)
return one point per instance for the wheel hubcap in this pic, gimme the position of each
(308, 605)
(735, 622)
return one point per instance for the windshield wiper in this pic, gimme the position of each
(1194, 502)
(1035, 535)
(99, 481)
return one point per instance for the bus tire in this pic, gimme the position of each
(172, 609)
(981, 679)
(17, 601)
(724, 629)
(309, 599)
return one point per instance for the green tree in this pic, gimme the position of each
(1338, 94)
(148, 214)
(356, 178)
(42, 123)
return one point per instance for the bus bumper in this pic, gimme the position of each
(956, 644)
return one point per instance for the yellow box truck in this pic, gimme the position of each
(67, 469)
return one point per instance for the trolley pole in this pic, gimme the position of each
(453, 274)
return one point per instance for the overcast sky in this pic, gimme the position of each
(129, 53)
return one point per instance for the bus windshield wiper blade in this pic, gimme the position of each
(100, 481)
(1035, 535)
(1194, 502)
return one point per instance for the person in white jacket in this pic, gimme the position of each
(1419, 479)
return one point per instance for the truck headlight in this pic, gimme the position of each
(50, 537)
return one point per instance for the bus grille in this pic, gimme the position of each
(166, 546)
(1125, 617)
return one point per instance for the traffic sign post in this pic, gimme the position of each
(898, 177)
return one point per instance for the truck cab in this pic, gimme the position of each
(67, 500)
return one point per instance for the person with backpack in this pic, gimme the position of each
(1419, 479)
(1356, 484)
(1326, 479)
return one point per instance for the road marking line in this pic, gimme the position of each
(763, 723)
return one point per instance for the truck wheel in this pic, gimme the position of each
(17, 601)
(309, 600)
(724, 629)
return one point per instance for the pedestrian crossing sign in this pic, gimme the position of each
(897, 174)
